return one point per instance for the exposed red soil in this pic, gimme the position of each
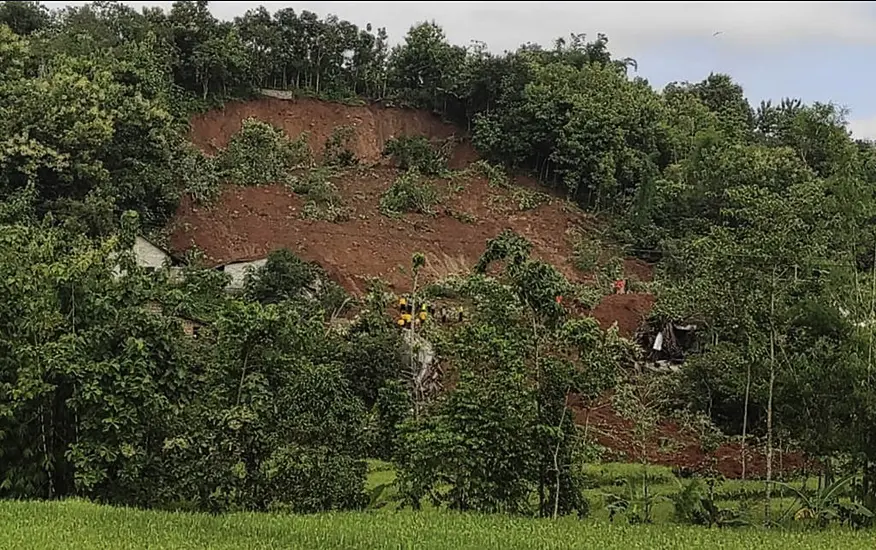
(250, 222)
(627, 310)
(373, 125)
(670, 445)
(638, 270)
(247, 223)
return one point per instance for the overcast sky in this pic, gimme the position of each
(818, 51)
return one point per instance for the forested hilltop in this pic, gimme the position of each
(759, 222)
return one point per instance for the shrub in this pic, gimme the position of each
(285, 276)
(337, 148)
(261, 154)
(416, 152)
(408, 194)
(312, 479)
(586, 253)
(323, 200)
(495, 174)
(527, 199)
(198, 173)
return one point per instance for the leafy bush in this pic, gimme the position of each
(392, 408)
(527, 199)
(634, 501)
(507, 245)
(476, 443)
(285, 276)
(261, 154)
(416, 152)
(198, 172)
(323, 200)
(408, 193)
(586, 253)
(337, 148)
(695, 505)
(495, 174)
(313, 479)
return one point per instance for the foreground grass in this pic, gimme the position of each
(79, 525)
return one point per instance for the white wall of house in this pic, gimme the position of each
(149, 255)
(238, 272)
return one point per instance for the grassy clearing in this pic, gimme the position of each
(79, 525)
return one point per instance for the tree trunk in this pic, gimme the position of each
(769, 460)
(557, 456)
(242, 376)
(541, 480)
(745, 414)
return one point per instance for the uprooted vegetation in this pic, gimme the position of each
(418, 153)
(410, 192)
(323, 199)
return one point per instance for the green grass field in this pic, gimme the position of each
(78, 525)
(603, 478)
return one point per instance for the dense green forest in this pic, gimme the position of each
(761, 220)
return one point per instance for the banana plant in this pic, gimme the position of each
(822, 505)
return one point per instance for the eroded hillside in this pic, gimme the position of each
(248, 222)
(373, 124)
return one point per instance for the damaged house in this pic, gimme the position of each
(666, 344)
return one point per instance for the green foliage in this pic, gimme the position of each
(306, 480)
(372, 356)
(695, 505)
(24, 18)
(261, 154)
(475, 442)
(392, 408)
(495, 174)
(586, 253)
(286, 277)
(200, 178)
(635, 501)
(527, 199)
(254, 413)
(418, 153)
(323, 200)
(822, 506)
(87, 135)
(408, 193)
(274, 404)
(511, 401)
(506, 246)
(337, 148)
(87, 341)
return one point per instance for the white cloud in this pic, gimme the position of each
(864, 128)
(631, 26)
